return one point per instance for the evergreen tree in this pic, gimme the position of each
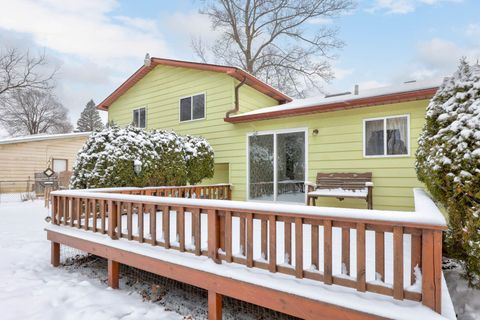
(89, 119)
(448, 162)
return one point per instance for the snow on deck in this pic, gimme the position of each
(366, 302)
(426, 212)
(30, 288)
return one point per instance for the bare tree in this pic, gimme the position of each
(22, 71)
(32, 111)
(269, 39)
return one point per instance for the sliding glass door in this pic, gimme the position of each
(277, 165)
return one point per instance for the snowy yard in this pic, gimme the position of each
(30, 288)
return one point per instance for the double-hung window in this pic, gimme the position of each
(386, 137)
(140, 117)
(192, 108)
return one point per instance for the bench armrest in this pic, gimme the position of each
(310, 186)
(368, 184)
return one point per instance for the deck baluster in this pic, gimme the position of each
(166, 226)
(361, 282)
(327, 252)
(272, 224)
(398, 263)
(228, 236)
(298, 247)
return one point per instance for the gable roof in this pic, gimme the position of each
(234, 72)
(393, 94)
(44, 136)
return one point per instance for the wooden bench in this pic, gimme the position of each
(341, 186)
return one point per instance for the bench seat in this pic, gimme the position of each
(340, 193)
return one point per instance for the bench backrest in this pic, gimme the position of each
(350, 180)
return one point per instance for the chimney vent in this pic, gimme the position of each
(147, 60)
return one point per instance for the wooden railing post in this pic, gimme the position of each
(112, 219)
(432, 269)
(213, 235)
(54, 209)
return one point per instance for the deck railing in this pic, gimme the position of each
(312, 240)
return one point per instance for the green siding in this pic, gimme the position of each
(337, 148)
(251, 99)
(222, 174)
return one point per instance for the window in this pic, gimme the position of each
(140, 117)
(387, 136)
(276, 166)
(192, 108)
(59, 165)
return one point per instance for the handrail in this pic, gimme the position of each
(251, 234)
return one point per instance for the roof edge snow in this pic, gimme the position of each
(373, 97)
(41, 137)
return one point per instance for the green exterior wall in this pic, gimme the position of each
(337, 148)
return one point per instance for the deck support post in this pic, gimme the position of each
(214, 305)
(55, 254)
(113, 274)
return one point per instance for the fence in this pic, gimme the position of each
(284, 228)
(16, 190)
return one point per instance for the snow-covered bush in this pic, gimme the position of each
(448, 162)
(108, 159)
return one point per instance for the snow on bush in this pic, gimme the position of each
(108, 159)
(448, 162)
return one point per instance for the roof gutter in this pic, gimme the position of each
(237, 103)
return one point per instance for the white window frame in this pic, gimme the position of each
(133, 116)
(385, 155)
(191, 111)
(59, 159)
(275, 186)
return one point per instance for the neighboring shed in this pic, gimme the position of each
(22, 157)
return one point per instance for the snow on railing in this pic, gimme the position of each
(274, 236)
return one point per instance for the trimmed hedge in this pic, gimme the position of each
(108, 157)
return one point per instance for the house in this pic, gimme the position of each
(22, 157)
(267, 144)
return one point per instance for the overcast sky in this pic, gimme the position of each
(99, 43)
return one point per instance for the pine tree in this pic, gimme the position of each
(448, 162)
(89, 119)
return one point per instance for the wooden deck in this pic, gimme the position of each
(324, 246)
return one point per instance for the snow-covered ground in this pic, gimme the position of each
(465, 300)
(30, 288)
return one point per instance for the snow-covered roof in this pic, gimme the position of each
(346, 99)
(40, 137)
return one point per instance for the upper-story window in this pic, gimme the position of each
(386, 137)
(192, 108)
(140, 117)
